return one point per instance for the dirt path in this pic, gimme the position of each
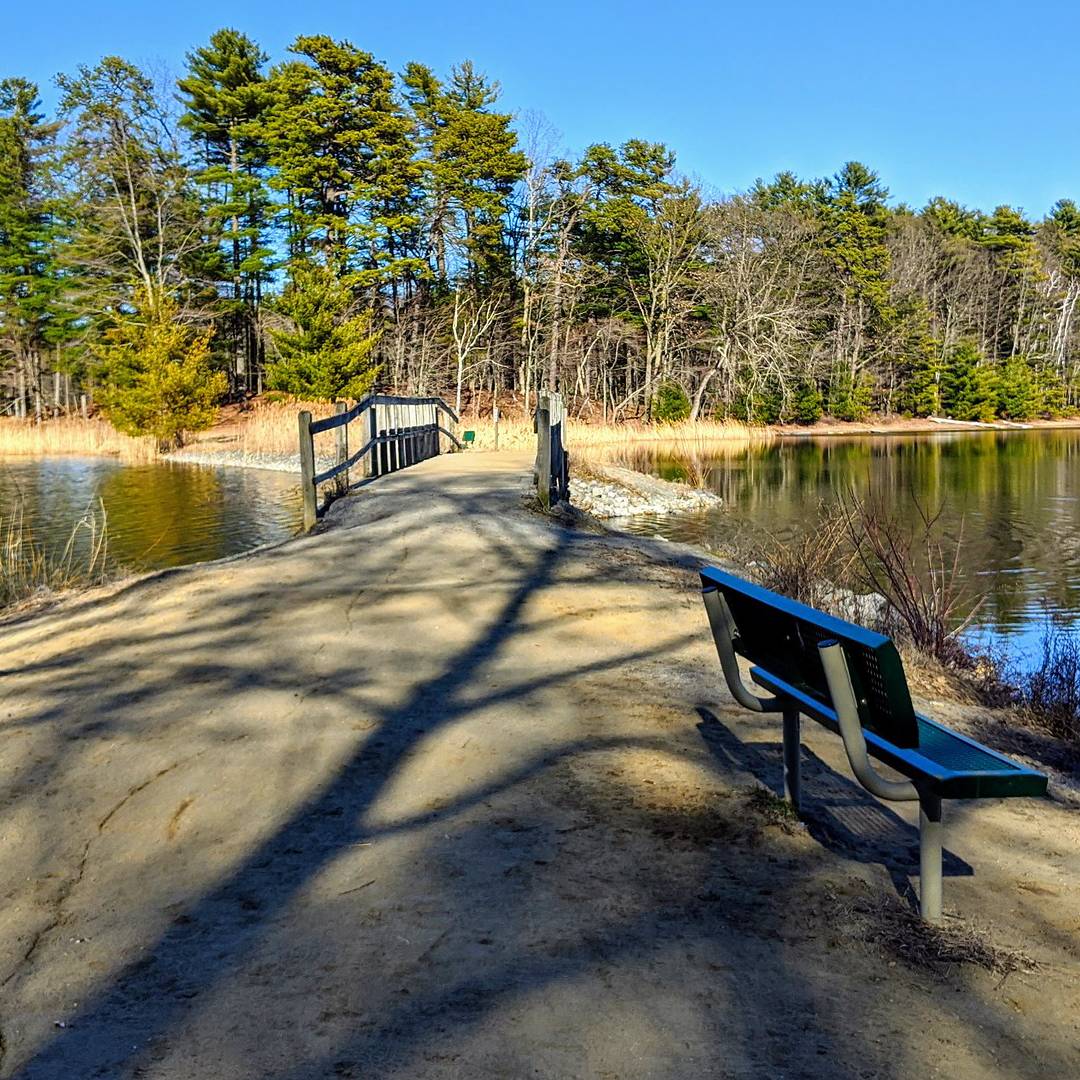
(449, 790)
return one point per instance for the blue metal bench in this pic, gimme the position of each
(852, 681)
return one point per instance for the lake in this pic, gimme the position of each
(1015, 496)
(159, 515)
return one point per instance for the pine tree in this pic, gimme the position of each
(156, 373)
(671, 404)
(1018, 395)
(968, 384)
(806, 403)
(471, 164)
(339, 144)
(329, 352)
(856, 225)
(30, 321)
(225, 97)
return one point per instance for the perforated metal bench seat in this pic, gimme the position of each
(945, 763)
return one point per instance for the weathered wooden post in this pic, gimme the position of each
(307, 472)
(543, 451)
(495, 415)
(342, 478)
(371, 461)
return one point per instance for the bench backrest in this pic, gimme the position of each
(781, 636)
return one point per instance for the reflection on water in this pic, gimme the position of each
(1016, 496)
(159, 515)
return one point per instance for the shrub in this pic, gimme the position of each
(1018, 393)
(920, 580)
(968, 384)
(1050, 694)
(670, 404)
(156, 374)
(806, 403)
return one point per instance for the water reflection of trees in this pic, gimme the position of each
(158, 515)
(1014, 496)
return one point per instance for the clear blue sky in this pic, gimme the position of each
(978, 101)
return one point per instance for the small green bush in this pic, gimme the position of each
(671, 404)
(806, 404)
(850, 399)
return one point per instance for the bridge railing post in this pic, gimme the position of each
(371, 459)
(307, 472)
(543, 451)
(342, 477)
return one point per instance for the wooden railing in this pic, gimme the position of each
(552, 460)
(397, 432)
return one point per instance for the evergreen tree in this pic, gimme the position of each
(156, 374)
(29, 283)
(225, 98)
(471, 165)
(1010, 239)
(968, 384)
(1017, 390)
(329, 352)
(806, 403)
(339, 144)
(671, 404)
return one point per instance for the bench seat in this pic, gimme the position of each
(946, 763)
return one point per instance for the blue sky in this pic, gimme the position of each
(978, 101)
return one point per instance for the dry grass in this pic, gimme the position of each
(271, 427)
(28, 568)
(889, 924)
(71, 435)
(683, 438)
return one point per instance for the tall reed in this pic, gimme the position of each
(28, 567)
(70, 436)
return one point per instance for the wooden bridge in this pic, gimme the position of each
(400, 431)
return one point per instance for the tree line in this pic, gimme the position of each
(324, 224)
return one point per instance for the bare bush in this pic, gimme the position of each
(917, 571)
(1050, 694)
(813, 567)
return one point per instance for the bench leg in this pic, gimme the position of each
(930, 830)
(792, 781)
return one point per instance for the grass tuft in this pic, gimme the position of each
(891, 925)
(29, 569)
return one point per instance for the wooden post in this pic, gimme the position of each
(82, 407)
(543, 452)
(371, 462)
(342, 478)
(307, 472)
(495, 414)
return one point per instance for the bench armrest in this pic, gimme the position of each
(723, 631)
(838, 676)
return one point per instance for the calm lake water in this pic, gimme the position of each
(1014, 495)
(159, 515)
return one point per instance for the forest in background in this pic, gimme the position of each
(324, 225)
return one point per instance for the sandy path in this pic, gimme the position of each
(451, 791)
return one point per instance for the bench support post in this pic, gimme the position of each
(792, 776)
(930, 830)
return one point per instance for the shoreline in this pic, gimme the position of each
(220, 445)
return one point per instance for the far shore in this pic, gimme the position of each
(263, 436)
